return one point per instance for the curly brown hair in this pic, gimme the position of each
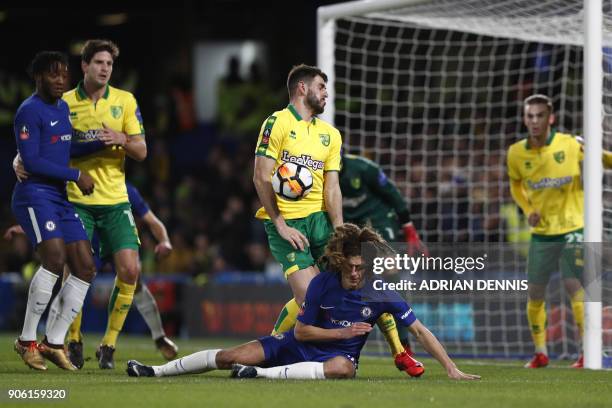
(347, 241)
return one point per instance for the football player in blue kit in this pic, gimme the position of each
(43, 134)
(338, 313)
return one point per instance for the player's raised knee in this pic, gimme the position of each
(339, 367)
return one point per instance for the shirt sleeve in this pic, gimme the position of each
(377, 180)
(132, 120)
(139, 205)
(27, 135)
(309, 311)
(513, 172)
(333, 159)
(270, 138)
(402, 312)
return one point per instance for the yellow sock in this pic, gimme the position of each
(578, 310)
(118, 308)
(536, 315)
(386, 324)
(286, 318)
(74, 331)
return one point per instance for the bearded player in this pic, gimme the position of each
(298, 230)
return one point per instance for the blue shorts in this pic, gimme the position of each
(45, 214)
(284, 349)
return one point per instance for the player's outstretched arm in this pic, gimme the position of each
(262, 178)
(307, 332)
(160, 233)
(431, 344)
(333, 197)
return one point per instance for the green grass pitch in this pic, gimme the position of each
(379, 384)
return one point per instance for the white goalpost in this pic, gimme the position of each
(432, 91)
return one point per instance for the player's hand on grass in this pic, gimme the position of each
(14, 230)
(534, 218)
(85, 183)
(295, 237)
(111, 137)
(19, 169)
(163, 249)
(356, 329)
(457, 374)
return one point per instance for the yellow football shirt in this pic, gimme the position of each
(551, 178)
(286, 137)
(119, 111)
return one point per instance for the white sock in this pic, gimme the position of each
(146, 305)
(41, 288)
(195, 363)
(542, 349)
(66, 305)
(298, 371)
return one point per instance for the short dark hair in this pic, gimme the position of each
(92, 47)
(302, 72)
(539, 99)
(46, 61)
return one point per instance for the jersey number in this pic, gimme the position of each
(130, 217)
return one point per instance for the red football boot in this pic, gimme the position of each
(579, 363)
(412, 367)
(539, 360)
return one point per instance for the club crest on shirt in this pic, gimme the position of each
(279, 336)
(356, 183)
(116, 111)
(291, 257)
(324, 139)
(50, 226)
(366, 312)
(559, 156)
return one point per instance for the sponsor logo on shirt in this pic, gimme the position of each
(343, 323)
(63, 138)
(353, 202)
(304, 160)
(91, 134)
(405, 315)
(548, 182)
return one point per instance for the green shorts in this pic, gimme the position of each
(316, 228)
(551, 253)
(113, 225)
(385, 223)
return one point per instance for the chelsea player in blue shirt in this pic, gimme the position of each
(332, 327)
(43, 134)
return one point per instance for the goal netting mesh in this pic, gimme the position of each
(433, 93)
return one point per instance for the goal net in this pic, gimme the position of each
(433, 91)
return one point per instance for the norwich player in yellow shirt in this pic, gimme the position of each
(107, 124)
(298, 231)
(545, 182)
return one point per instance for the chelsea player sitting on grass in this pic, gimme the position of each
(331, 330)
(43, 133)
